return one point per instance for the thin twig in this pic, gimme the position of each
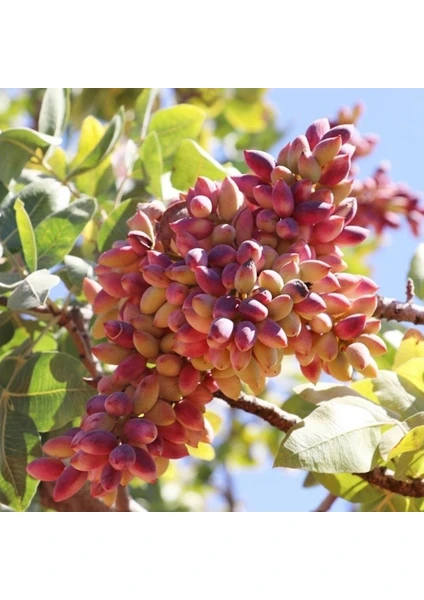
(58, 178)
(410, 290)
(74, 323)
(326, 504)
(228, 491)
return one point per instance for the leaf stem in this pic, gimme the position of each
(146, 119)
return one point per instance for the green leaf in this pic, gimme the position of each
(115, 227)
(190, 162)
(48, 387)
(416, 271)
(151, 155)
(103, 148)
(412, 441)
(54, 111)
(17, 145)
(297, 405)
(350, 487)
(41, 198)
(7, 327)
(26, 234)
(337, 437)
(19, 445)
(392, 394)
(176, 123)
(77, 268)
(4, 191)
(141, 104)
(32, 291)
(57, 234)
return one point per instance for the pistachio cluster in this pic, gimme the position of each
(382, 203)
(212, 294)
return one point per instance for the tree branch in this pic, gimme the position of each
(274, 415)
(387, 308)
(73, 321)
(390, 309)
(284, 421)
(379, 478)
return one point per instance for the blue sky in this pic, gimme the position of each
(397, 116)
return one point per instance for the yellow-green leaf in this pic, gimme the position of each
(249, 117)
(391, 438)
(203, 451)
(365, 388)
(413, 440)
(151, 156)
(102, 148)
(410, 464)
(190, 162)
(26, 234)
(175, 123)
(412, 346)
(350, 487)
(214, 419)
(413, 372)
